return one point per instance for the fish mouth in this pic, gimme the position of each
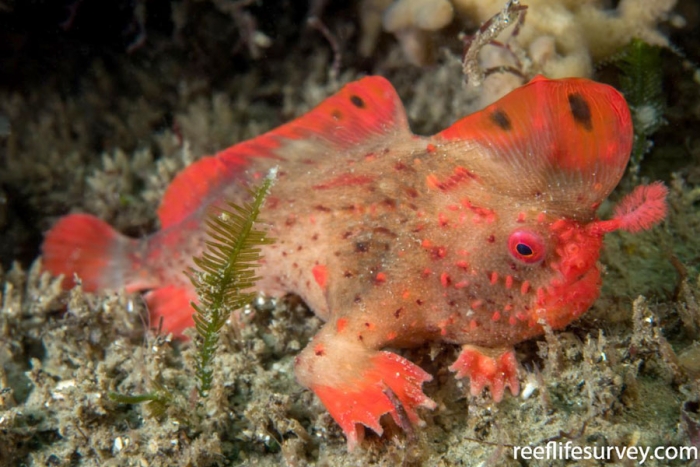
(564, 303)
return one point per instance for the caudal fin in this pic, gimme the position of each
(83, 245)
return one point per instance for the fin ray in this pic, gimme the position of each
(360, 112)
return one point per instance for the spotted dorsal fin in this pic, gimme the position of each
(359, 113)
(565, 140)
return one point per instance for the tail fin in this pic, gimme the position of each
(83, 245)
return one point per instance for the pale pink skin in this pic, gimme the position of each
(395, 239)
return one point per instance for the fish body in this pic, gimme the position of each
(477, 236)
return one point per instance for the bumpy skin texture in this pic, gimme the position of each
(477, 236)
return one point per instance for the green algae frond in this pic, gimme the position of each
(641, 83)
(226, 270)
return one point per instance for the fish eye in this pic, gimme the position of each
(526, 246)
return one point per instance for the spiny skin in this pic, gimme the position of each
(477, 236)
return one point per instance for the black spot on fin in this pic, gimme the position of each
(580, 111)
(500, 118)
(357, 101)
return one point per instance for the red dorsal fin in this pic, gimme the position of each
(565, 140)
(360, 112)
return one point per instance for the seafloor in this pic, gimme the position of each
(101, 103)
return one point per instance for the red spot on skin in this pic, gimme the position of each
(521, 316)
(445, 279)
(344, 180)
(442, 220)
(541, 217)
(370, 157)
(430, 148)
(461, 284)
(426, 272)
(319, 350)
(432, 182)
(380, 279)
(462, 264)
(341, 324)
(438, 252)
(521, 217)
(320, 273)
(462, 252)
(426, 243)
(525, 287)
(453, 207)
(540, 295)
(494, 278)
(391, 336)
(508, 307)
(480, 214)
(491, 239)
(509, 281)
(370, 326)
(476, 304)
(496, 316)
(473, 324)
(512, 321)
(406, 294)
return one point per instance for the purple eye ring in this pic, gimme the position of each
(526, 246)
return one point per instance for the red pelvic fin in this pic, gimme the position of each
(85, 245)
(496, 369)
(172, 304)
(390, 385)
(360, 112)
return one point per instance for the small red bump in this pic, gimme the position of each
(445, 279)
(476, 303)
(319, 350)
(381, 278)
(438, 252)
(320, 273)
(426, 243)
(558, 224)
(496, 316)
(521, 217)
(453, 207)
(521, 316)
(426, 272)
(461, 284)
(341, 324)
(391, 336)
(541, 217)
(512, 321)
(462, 252)
(509, 281)
(442, 220)
(430, 148)
(462, 264)
(508, 307)
(406, 294)
(473, 324)
(432, 181)
(540, 295)
(494, 278)
(525, 287)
